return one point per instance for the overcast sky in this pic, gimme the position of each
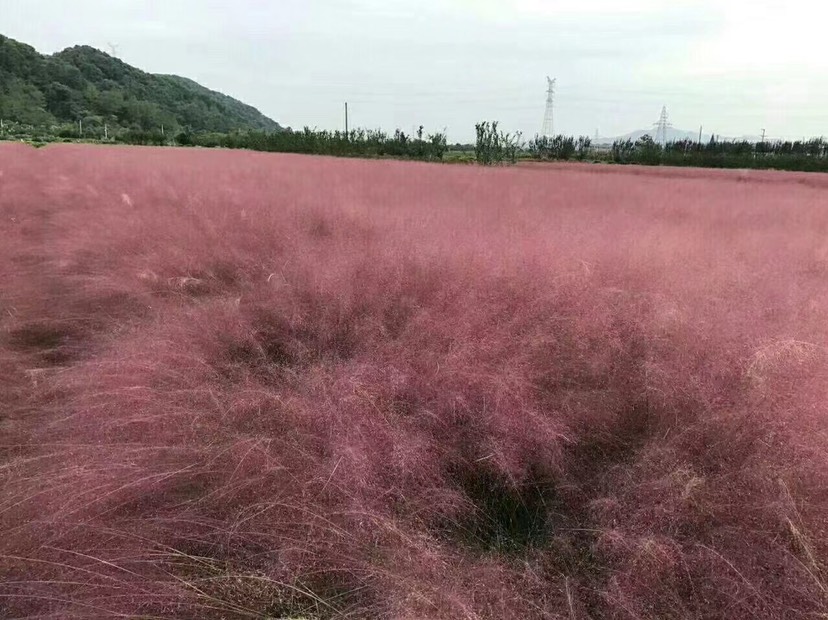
(734, 66)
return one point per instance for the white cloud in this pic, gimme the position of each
(765, 38)
(599, 7)
(562, 8)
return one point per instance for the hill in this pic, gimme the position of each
(85, 84)
(673, 135)
(678, 135)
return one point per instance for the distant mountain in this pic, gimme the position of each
(746, 138)
(673, 135)
(86, 84)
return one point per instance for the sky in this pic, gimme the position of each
(734, 67)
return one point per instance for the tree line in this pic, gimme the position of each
(803, 155)
(354, 143)
(492, 146)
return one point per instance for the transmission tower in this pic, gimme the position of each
(661, 127)
(549, 117)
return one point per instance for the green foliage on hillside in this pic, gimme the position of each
(52, 94)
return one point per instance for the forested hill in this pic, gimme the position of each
(85, 84)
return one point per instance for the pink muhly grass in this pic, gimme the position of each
(254, 386)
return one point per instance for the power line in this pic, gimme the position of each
(549, 115)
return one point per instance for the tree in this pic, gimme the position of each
(24, 104)
(583, 147)
(62, 101)
(648, 150)
(623, 151)
(495, 147)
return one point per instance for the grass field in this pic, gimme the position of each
(240, 385)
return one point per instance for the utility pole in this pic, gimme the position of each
(106, 132)
(700, 131)
(661, 127)
(549, 117)
(80, 127)
(763, 136)
(346, 120)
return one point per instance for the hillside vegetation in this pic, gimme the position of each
(247, 386)
(87, 85)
